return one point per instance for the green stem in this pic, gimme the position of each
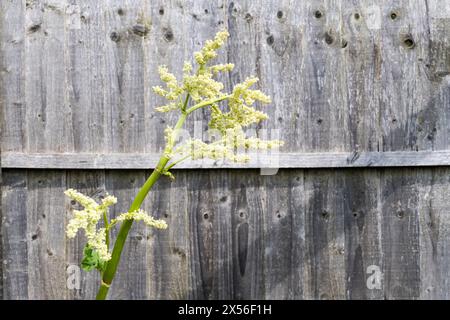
(111, 268)
(186, 100)
(206, 103)
(107, 227)
(102, 291)
(171, 165)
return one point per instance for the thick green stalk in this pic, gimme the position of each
(111, 268)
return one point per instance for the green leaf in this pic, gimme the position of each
(91, 260)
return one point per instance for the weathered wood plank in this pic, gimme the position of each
(12, 84)
(299, 273)
(280, 47)
(433, 120)
(125, 71)
(325, 117)
(46, 218)
(324, 235)
(275, 160)
(85, 58)
(406, 92)
(399, 200)
(283, 221)
(226, 235)
(359, 41)
(206, 259)
(169, 260)
(242, 200)
(48, 111)
(95, 91)
(363, 250)
(434, 238)
(201, 243)
(14, 235)
(309, 263)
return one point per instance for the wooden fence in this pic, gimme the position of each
(361, 95)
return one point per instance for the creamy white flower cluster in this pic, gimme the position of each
(205, 91)
(209, 50)
(199, 85)
(88, 219)
(241, 113)
(173, 91)
(141, 215)
(227, 147)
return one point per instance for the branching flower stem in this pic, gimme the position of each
(112, 265)
(203, 91)
(206, 103)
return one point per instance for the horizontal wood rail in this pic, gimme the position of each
(281, 160)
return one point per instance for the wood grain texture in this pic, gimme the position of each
(14, 235)
(169, 258)
(361, 97)
(264, 160)
(283, 221)
(245, 202)
(434, 235)
(85, 55)
(400, 234)
(12, 89)
(48, 114)
(363, 234)
(334, 70)
(324, 231)
(208, 266)
(236, 235)
(44, 236)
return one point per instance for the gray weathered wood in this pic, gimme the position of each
(169, 258)
(14, 235)
(334, 70)
(12, 90)
(434, 235)
(44, 235)
(324, 234)
(47, 114)
(360, 92)
(363, 234)
(244, 203)
(85, 54)
(283, 222)
(262, 160)
(400, 233)
(349, 225)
